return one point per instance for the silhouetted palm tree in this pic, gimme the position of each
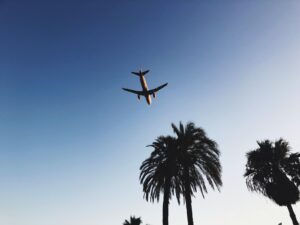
(133, 221)
(275, 172)
(158, 173)
(199, 160)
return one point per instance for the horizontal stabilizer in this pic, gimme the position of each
(136, 73)
(141, 73)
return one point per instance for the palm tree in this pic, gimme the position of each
(158, 173)
(199, 160)
(274, 172)
(133, 221)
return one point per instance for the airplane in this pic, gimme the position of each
(145, 92)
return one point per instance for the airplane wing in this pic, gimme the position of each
(150, 92)
(133, 91)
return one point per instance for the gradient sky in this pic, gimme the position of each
(71, 141)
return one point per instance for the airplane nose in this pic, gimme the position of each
(149, 100)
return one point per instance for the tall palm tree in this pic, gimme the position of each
(133, 221)
(158, 173)
(199, 160)
(274, 172)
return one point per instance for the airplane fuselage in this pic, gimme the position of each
(145, 89)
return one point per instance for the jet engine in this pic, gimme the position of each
(139, 97)
(154, 94)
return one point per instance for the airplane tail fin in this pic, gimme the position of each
(140, 73)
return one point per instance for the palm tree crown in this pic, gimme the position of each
(133, 221)
(158, 167)
(200, 156)
(273, 171)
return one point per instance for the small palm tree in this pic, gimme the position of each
(199, 160)
(274, 172)
(133, 221)
(158, 173)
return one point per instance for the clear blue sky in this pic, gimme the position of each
(71, 141)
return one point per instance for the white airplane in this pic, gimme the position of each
(145, 92)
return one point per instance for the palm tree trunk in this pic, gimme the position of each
(188, 199)
(189, 209)
(292, 215)
(166, 202)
